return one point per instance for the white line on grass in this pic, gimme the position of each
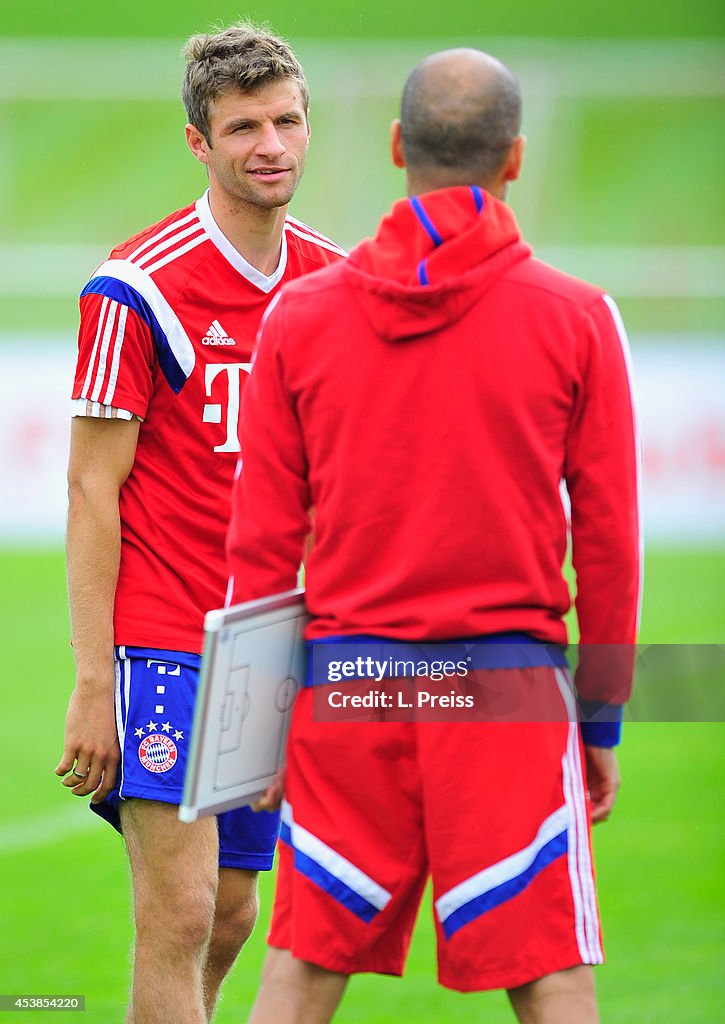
(58, 270)
(150, 69)
(45, 829)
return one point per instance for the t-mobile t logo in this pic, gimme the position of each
(164, 668)
(214, 412)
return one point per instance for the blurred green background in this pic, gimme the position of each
(623, 183)
(623, 113)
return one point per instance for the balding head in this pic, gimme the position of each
(461, 114)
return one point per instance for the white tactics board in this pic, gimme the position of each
(252, 668)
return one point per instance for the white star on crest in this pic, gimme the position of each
(152, 726)
(166, 727)
(178, 735)
(139, 732)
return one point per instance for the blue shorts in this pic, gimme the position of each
(155, 694)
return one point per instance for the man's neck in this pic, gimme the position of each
(416, 185)
(254, 232)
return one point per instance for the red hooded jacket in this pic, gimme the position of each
(427, 397)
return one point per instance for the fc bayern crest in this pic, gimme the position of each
(157, 753)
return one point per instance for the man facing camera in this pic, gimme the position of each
(167, 328)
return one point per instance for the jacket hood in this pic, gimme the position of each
(432, 258)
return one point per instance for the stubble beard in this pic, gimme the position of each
(246, 190)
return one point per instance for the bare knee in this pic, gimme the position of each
(296, 991)
(233, 924)
(180, 924)
(176, 912)
(175, 879)
(565, 997)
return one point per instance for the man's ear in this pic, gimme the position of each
(197, 143)
(396, 144)
(515, 159)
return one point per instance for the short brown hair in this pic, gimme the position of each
(244, 57)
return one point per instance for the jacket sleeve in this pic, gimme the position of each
(270, 501)
(601, 472)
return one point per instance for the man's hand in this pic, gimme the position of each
(271, 799)
(91, 752)
(603, 780)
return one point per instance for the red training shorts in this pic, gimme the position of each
(495, 812)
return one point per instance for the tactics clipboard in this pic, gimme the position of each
(252, 667)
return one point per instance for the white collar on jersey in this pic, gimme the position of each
(225, 247)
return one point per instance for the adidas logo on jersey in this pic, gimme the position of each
(216, 335)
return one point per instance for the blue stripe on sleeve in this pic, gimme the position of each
(121, 292)
(601, 724)
(601, 734)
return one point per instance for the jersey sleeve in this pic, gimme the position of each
(602, 477)
(270, 501)
(116, 357)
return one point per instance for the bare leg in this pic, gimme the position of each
(566, 997)
(296, 992)
(237, 905)
(175, 871)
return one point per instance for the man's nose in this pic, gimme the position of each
(270, 144)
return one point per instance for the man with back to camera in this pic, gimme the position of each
(427, 397)
(167, 328)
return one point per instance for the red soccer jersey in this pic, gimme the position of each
(168, 323)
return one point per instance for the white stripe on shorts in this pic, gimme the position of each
(581, 876)
(333, 862)
(123, 679)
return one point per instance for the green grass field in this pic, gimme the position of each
(660, 858)
(337, 19)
